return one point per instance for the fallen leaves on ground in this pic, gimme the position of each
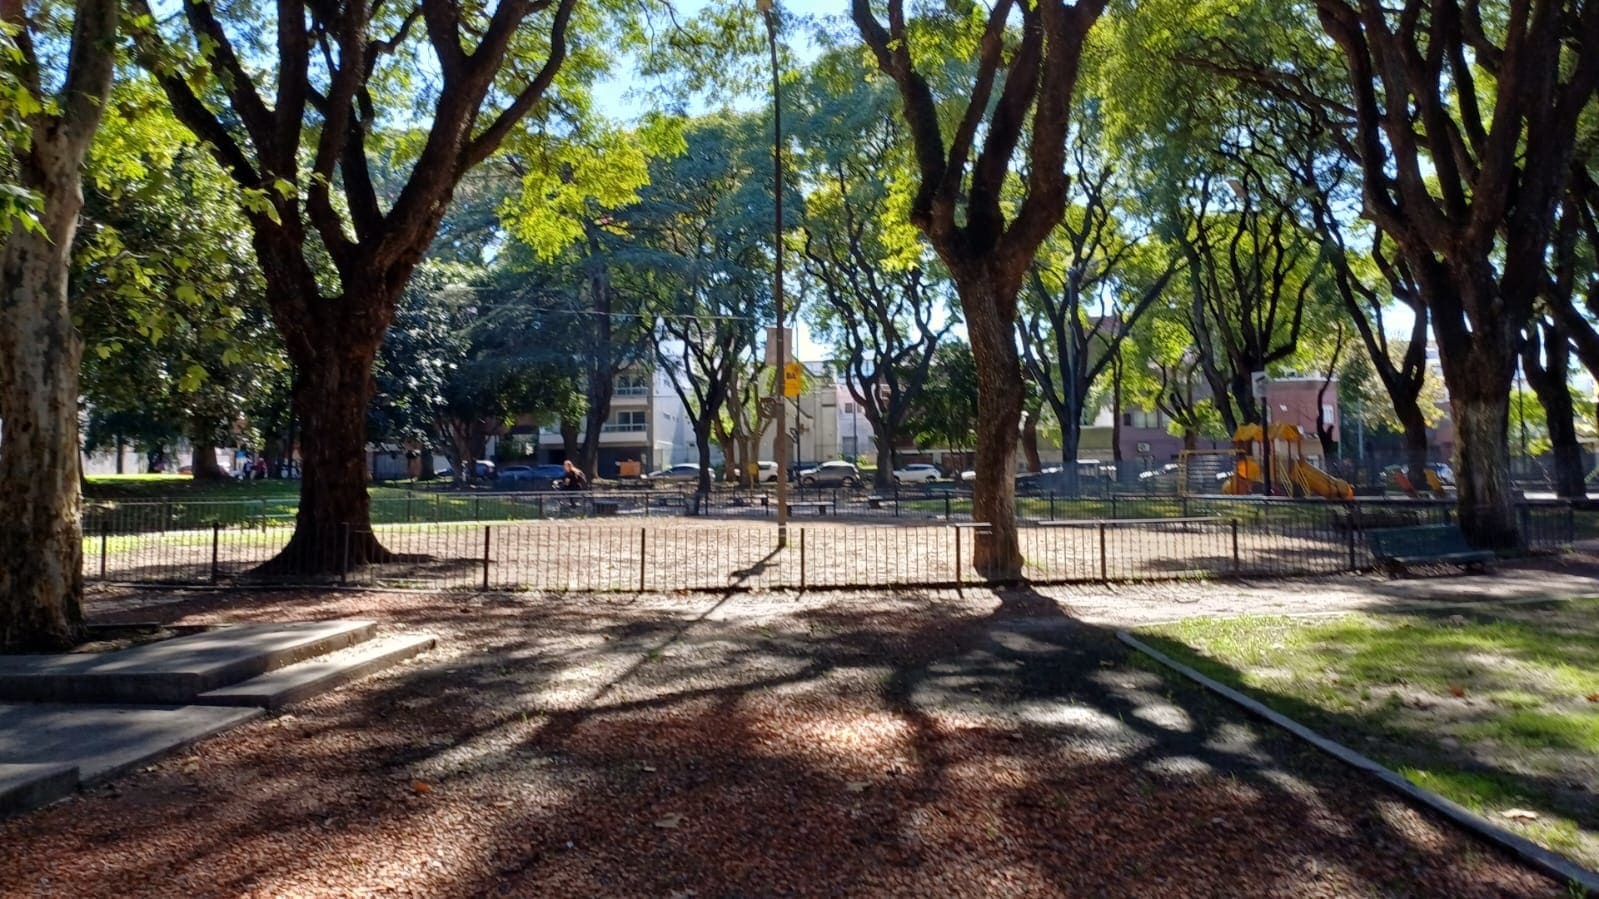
(670, 822)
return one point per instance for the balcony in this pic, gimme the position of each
(635, 427)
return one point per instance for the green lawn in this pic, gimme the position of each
(1496, 709)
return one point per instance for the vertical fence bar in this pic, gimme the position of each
(486, 531)
(1236, 562)
(1051, 505)
(344, 561)
(957, 550)
(1351, 543)
(1571, 522)
(957, 541)
(802, 559)
(105, 531)
(477, 508)
(1104, 564)
(216, 545)
(643, 549)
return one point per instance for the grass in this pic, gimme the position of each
(1489, 709)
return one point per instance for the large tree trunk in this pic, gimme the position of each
(1486, 509)
(333, 530)
(996, 554)
(1071, 440)
(41, 545)
(203, 466)
(887, 460)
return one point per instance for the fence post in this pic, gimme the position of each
(1352, 530)
(477, 508)
(1236, 563)
(1051, 505)
(957, 552)
(802, 560)
(486, 532)
(216, 543)
(1104, 567)
(541, 505)
(344, 561)
(1185, 505)
(408, 508)
(1113, 511)
(646, 505)
(105, 531)
(643, 549)
(438, 512)
(957, 542)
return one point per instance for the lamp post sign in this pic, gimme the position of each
(793, 375)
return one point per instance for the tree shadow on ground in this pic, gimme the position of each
(748, 745)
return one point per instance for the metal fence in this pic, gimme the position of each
(563, 543)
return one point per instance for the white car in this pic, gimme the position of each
(917, 473)
(685, 471)
(765, 471)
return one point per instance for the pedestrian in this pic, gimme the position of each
(573, 480)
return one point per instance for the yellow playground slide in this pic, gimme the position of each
(1315, 481)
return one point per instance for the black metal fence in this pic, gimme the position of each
(647, 543)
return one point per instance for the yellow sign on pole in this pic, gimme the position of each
(793, 372)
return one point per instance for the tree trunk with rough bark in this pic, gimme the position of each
(996, 553)
(1414, 429)
(203, 465)
(1481, 409)
(333, 529)
(41, 545)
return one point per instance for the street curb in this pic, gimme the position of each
(1557, 866)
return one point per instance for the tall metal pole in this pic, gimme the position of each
(765, 6)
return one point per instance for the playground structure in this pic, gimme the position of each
(1291, 473)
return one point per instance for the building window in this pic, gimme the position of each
(631, 383)
(1143, 418)
(849, 408)
(632, 421)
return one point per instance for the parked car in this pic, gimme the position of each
(537, 475)
(485, 468)
(831, 474)
(1446, 475)
(687, 471)
(765, 472)
(917, 473)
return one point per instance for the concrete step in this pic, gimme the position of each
(174, 671)
(26, 786)
(102, 741)
(314, 676)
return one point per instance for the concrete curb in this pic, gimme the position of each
(1557, 866)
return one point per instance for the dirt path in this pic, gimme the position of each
(884, 744)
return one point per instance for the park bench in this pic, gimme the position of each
(881, 502)
(820, 506)
(606, 507)
(1429, 544)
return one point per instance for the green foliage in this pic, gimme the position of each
(946, 413)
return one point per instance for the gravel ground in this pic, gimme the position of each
(866, 744)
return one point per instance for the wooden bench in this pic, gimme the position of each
(1429, 544)
(821, 507)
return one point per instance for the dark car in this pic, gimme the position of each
(539, 476)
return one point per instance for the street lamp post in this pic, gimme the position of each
(765, 7)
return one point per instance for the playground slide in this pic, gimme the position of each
(1247, 478)
(1313, 480)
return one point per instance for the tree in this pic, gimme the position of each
(169, 301)
(41, 546)
(1546, 362)
(704, 250)
(946, 414)
(1023, 75)
(1086, 291)
(875, 295)
(302, 159)
(1465, 133)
